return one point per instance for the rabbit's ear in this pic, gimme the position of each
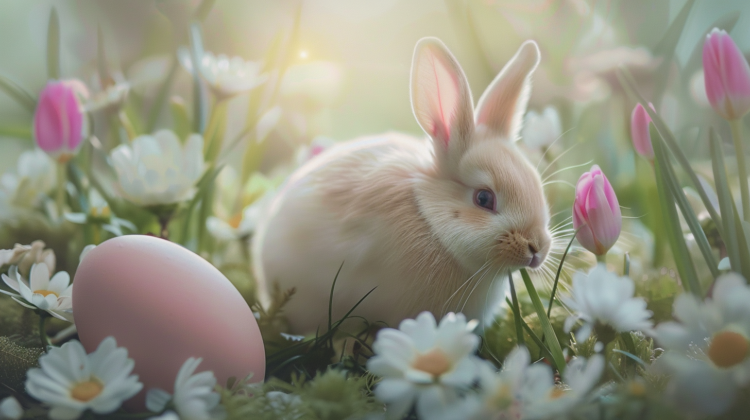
(440, 95)
(502, 105)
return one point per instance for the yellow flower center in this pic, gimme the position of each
(46, 292)
(636, 389)
(87, 391)
(235, 220)
(434, 362)
(556, 393)
(728, 348)
(103, 212)
(502, 397)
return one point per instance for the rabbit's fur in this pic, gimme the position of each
(399, 212)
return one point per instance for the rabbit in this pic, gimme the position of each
(429, 223)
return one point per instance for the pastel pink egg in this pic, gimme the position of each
(165, 304)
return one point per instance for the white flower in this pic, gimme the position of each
(24, 256)
(708, 350)
(226, 76)
(100, 213)
(499, 396)
(157, 169)
(425, 362)
(169, 415)
(71, 381)
(604, 299)
(194, 397)
(229, 224)
(51, 295)
(35, 176)
(542, 399)
(543, 129)
(10, 409)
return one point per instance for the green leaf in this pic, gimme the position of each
(627, 82)
(557, 276)
(516, 312)
(685, 208)
(726, 202)
(544, 350)
(200, 107)
(53, 46)
(682, 257)
(204, 9)
(742, 244)
(162, 94)
(18, 93)
(180, 118)
(554, 346)
(666, 49)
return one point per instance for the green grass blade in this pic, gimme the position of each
(516, 312)
(682, 203)
(535, 338)
(726, 202)
(53, 46)
(18, 93)
(554, 346)
(666, 49)
(683, 260)
(557, 276)
(199, 91)
(627, 82)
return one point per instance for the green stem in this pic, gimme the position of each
(602, 258)
(741, 168)
(43, 331)
(62, 180)
(127, 125)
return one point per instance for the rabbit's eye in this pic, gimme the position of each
(485, 199)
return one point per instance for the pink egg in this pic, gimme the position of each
(165, 304)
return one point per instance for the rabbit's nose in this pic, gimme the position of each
(536, 257)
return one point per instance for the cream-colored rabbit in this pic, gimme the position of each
(429, 222)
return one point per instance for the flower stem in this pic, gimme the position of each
(602, 258)
(736, 125)
(43, 331)
(62, 181)
(126, 125)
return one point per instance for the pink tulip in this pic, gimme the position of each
(58, 121)
(727, 75)
(596, 212)
(639, 121)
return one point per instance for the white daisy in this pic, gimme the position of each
(543, 399)
(169, 415)
(51, 295)
(425, 362)
(499, 396)
(227, 76)
(10, 409)
(157, 169)
(605, 301)
(708, 350)
(71, 381)
(194, 396)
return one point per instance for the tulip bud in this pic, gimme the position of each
(639, 121)
(596, 212)
(727, 75)
(58, 121)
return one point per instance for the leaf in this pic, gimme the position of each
(627, 82)
(554, 345)
(685, 208)
(161, 96)
(180, 118)
(725, 200)
(516, 312)
(18, 93)
(666, 48)
(53, 46)
(200, 107)
(683, 260)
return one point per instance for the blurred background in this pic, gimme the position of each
(346, 73)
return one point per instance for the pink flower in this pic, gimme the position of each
(727, 75)
(596, 212)
(58, 121)
(639, 121)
